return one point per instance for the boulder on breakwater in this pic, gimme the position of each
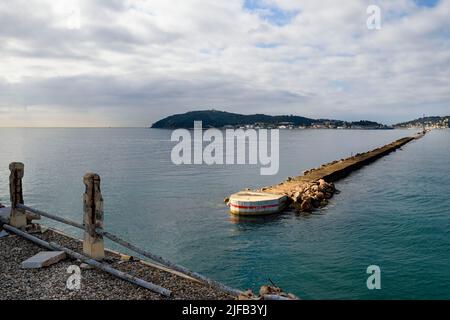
(312, 195)
(305, 196)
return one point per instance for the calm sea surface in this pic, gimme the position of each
(394, 213)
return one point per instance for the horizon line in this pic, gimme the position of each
(73, 127)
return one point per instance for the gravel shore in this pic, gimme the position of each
(50, 282)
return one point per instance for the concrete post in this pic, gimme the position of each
(93, 217)
(18, 218)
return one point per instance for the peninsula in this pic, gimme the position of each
(221, 119)
(434, 122)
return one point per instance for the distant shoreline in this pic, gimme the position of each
(226, 120)
(147, 127)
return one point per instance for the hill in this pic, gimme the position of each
(428, 122)
(220, 119)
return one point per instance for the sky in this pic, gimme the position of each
(77, 63)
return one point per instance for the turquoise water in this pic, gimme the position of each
(394, 213)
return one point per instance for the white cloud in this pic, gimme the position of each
(131, 62)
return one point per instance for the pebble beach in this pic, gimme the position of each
(50, 283)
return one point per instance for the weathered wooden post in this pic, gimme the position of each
(17, 218)
(93, 217)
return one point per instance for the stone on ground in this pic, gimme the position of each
(43, 259)
(85, 266)
(3, 234)
(4, 213)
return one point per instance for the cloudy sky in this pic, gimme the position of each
(129, 63)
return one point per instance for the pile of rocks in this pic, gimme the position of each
(267, 293)
(312, 195)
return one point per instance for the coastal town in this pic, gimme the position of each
(360, 125)
(427, 123)
(226, 120)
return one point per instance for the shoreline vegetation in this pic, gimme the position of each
(227, 120)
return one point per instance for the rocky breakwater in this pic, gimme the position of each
(315, 187)
(305, 196)
(314, 195)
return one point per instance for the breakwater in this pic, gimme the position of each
(316, 186)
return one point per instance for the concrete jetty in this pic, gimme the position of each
(315, 187)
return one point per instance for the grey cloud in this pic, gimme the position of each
(160, 96)
(126, 61)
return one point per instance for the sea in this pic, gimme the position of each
(394, 213)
